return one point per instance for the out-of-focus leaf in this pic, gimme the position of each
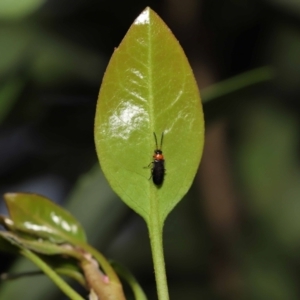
(284, 56)
(268, 162)
(39, 216)
(265, 275)
(149, 87)
(57, 60)
(92, 187)
(40, 246)
(292, 6)
(237, 83)
(101, 206)
(9, 93)
(48, 58)
(16, 9)
(16, 44)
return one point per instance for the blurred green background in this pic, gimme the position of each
(236, 235)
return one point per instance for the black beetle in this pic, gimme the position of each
(158, 163)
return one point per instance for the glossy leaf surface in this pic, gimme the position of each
(39, 216)
(149, 87)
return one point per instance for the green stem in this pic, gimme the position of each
(51, 274)
(155, 232)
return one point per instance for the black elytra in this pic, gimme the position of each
(158, 163)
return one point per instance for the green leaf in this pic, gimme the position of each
(15, 9)
(149, 87)
(40, 246)
(39, 216)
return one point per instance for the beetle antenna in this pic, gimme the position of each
(155, 140)
(161, 139)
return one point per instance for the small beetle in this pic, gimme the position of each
(158, 163)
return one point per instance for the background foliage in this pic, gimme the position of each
(237, 232)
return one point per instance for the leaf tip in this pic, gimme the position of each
(144, 17)
(9, 196)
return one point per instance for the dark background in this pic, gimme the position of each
(236, 235)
